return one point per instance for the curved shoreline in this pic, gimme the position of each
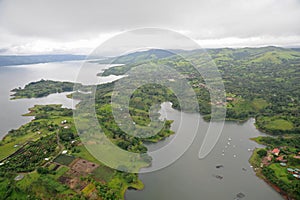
(262, 177)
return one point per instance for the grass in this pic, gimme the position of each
(88, 189)
(255, 160)
(28, 180)
(85, 154)
(7, 148)
(280, 172)
(259, 104)
(279, 124)
(103, 173)
(59, 172)
(7, 145)
(64, 159)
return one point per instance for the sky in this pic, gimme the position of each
(79, 26)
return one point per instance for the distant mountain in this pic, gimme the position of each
(8, 60)
(137, 57)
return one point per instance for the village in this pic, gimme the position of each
(280, 155)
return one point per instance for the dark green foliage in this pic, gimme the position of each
(42, 88)
(262, 153)
(64, 159)
(269, 74)
(31, 155)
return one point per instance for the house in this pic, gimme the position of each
(19, 177)
(297, 157)
(283, 164)
(290, 170)
(269, 158)
(63, 122)
(276, 151)
(296, 176)
(280, 158)
(64, 152)
(229, 98)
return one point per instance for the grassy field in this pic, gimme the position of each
(88, 189)
(59, 172)
(7, 146)
(64, 159)
(103, 173)
(85, 154)
(28, 180)
(255, 160)
(279, 124)
(280, 172)
(259, 104)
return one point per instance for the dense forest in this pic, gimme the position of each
(259, 82)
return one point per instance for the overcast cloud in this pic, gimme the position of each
(78, 26)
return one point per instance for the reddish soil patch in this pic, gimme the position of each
(83, 167)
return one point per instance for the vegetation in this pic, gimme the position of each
(260, 83)
(64, 159)
(46, 171)
(42, 88)
(275, 170)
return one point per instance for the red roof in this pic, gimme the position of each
(297, 157)
(280, 158)
(276, 151)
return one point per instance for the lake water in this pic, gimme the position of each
(18, 76)
(192, 179)
(188, 178)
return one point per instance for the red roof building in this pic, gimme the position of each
(276, 151)
(280, 158)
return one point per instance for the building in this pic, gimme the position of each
(283, 164)
(276, 151)
(296, 176)
(290, 170)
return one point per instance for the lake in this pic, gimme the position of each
(193, 179)
(188, 178)
(20, 75)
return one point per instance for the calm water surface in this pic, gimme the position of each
(192, 179)
(18, 76)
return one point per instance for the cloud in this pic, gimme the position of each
(69, 24)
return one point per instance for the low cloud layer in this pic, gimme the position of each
(35, 26)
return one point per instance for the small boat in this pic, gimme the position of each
(218, 177)
(219, 166)
(240, 195)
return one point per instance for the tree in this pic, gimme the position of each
(262, 153)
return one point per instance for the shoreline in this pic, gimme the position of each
(258, 174)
